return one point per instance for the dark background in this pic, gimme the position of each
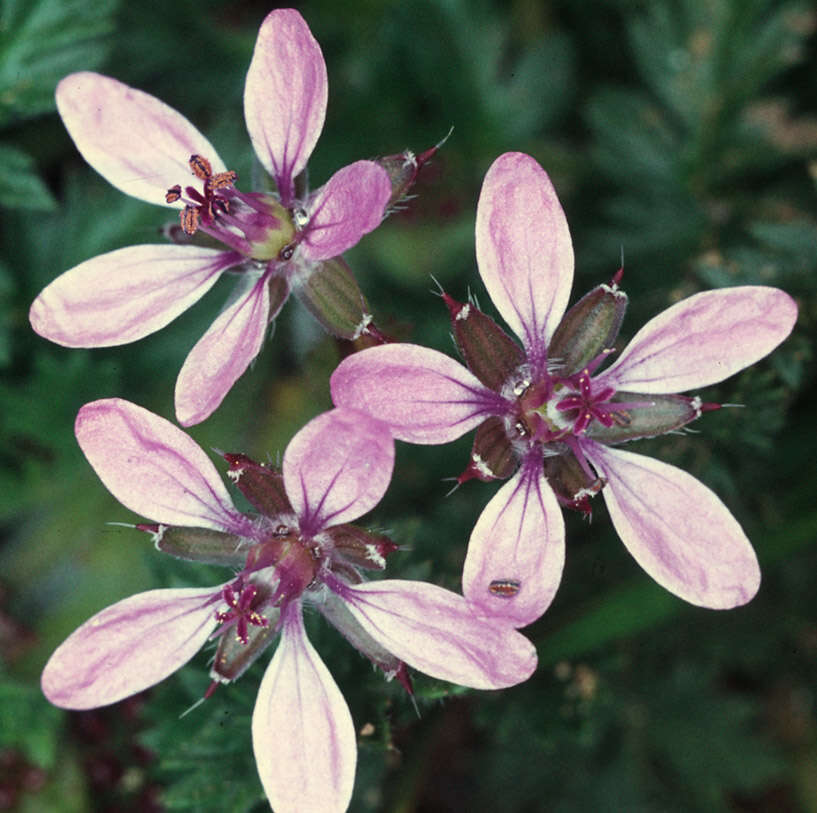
(681, 133)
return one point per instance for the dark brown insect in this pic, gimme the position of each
(504, 588)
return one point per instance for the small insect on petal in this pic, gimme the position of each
(173, 194)
(504, 588)
(200, 167)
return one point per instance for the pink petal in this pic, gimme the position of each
(222, 354)
(337, 468)
(435, 631)
(285, 97)
(302, 732)
(349, 205)
(152, 467)
(121, 296)
(677, 529)
(129, 646)
(517, 550)
(137, 143)
(524, 250)
(424, 396)
(703, 339)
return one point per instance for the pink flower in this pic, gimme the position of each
(275, 243)
(549, 419)
(299, 549)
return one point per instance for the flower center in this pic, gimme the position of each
(254, 224)
(241, 598)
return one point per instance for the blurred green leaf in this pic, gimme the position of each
(43, 40)
(20, 186)
(30, 722)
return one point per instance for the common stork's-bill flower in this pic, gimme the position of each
(551, 418)
(274, 242)
(298, 550)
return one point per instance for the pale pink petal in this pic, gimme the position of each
(524, 251)
(222, 354)
(302, 732)
(435, 631)
(152, 467)
(350, 204)
(337, 468)
(285, 97)
(126, 294)
(517, 550)
(423, 395)
(129, 646)
(703, 339)
(677, 529)
(137, 143)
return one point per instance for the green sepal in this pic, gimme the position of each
(570, 482)
(200, 544)
(587, 329)
(492, 454)
(331, 294)
(233, 657)
(262, 485)
(360, 547)
(334, 609)
(488, 351)
(658, 415)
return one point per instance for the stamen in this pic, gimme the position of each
(189, 217)
(200, 167)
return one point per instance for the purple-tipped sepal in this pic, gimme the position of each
(489, 353)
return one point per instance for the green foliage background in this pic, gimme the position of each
(681, 133)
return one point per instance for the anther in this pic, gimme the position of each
(189, 217)
(200, 167)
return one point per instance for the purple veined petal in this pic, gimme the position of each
(222, 354)
(121, 296)
(423, 395)
(350, 204)
(285, 97)
(337, 468)
(154, 468)
(677, 529)
(137, 143)
(517, 550)
(703, 339)
(302, 732)
(435, 631)
(129, 647)
(524, 251)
